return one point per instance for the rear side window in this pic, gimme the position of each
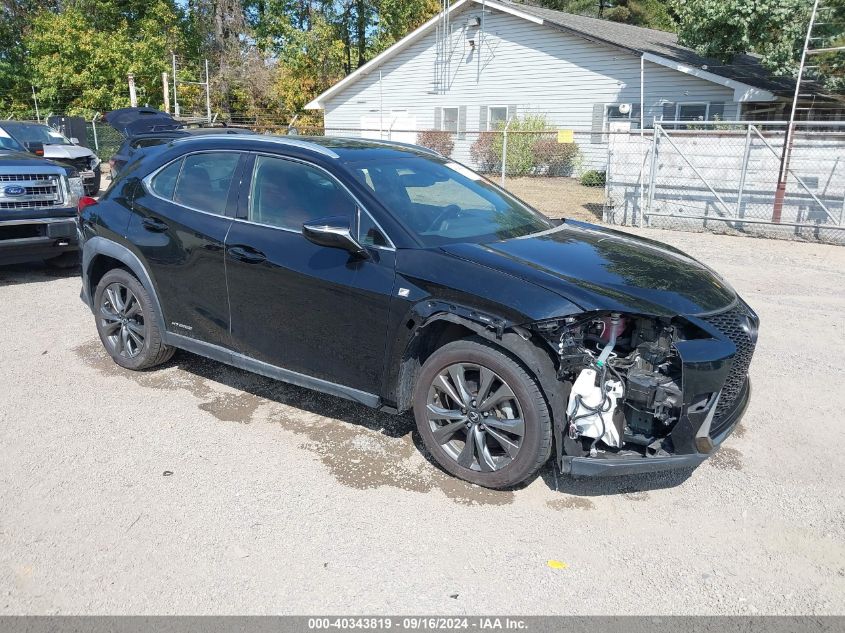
(204, 181)
(164, 183)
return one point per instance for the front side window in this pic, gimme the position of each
(443, 202)
(288, 194)
(204, 181)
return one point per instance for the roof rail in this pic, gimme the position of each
(280, 140)
(420, 148)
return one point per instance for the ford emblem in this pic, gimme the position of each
(14, 190)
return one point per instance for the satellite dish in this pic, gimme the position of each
(624, 108)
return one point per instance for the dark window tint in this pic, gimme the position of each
(149, 142)
(288, 194)
(368, 233)
(164, 183)
(205, 179)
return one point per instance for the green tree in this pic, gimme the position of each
(654, 14)
(79, 56)
(774, 29)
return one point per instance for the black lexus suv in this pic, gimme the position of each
(392, 276)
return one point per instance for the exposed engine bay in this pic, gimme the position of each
(626, 382)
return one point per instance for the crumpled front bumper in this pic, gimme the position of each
(609, 466)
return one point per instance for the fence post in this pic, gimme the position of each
(742, 173)
(658, 128)
(94, 130)
(505, 149)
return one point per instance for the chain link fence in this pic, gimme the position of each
(726, 178)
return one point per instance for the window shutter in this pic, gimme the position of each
(717, 111)
(597, 128)
(482, 118)
(462, 122)
(669, 111)
(438, 119)
(511, 112)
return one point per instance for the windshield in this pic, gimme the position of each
(34, 133)
(7, 142)
(444, 202)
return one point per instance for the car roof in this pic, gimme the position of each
(189, 131)
(20, 124)
(348, 150)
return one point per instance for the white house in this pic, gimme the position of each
(483, 61)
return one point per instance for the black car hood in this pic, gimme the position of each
(133, 121)
(602, 269)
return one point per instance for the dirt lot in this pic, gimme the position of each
(553, 195)
(199, 488)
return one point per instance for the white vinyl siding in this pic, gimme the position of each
(538, 69)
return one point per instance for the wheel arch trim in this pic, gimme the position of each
(99, 245)
(501, 333)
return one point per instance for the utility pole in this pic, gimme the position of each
(783, 172)
(175, 97)
(35, 100)
(165, 89)
(133, 98)
(207, 93)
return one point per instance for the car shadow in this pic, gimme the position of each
(397, 426)
(34, 272)
(613, 485)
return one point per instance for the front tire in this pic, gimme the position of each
(481, 415)
(127, 322)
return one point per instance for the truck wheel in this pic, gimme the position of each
(481, 415)
(127, 322)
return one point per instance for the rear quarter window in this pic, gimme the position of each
(164, 182)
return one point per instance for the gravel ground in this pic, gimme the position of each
(202, 489)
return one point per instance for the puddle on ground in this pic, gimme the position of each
(571, 503)
(361, 447)
(726, 459)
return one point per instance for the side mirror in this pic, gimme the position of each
(74, 140)
(335, 233)
(35, 148)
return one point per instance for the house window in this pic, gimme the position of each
(450, 120)
(497, 117)
(613, 113)
(691, 112)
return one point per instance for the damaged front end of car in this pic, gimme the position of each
(647, 393)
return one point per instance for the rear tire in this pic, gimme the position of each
(494, 430)
(127, 322)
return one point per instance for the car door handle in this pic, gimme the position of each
(154, 225)
(246, 254)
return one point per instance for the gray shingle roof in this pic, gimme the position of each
(744, 68)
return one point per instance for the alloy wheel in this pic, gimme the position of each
(475, 416)
(122, 321)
